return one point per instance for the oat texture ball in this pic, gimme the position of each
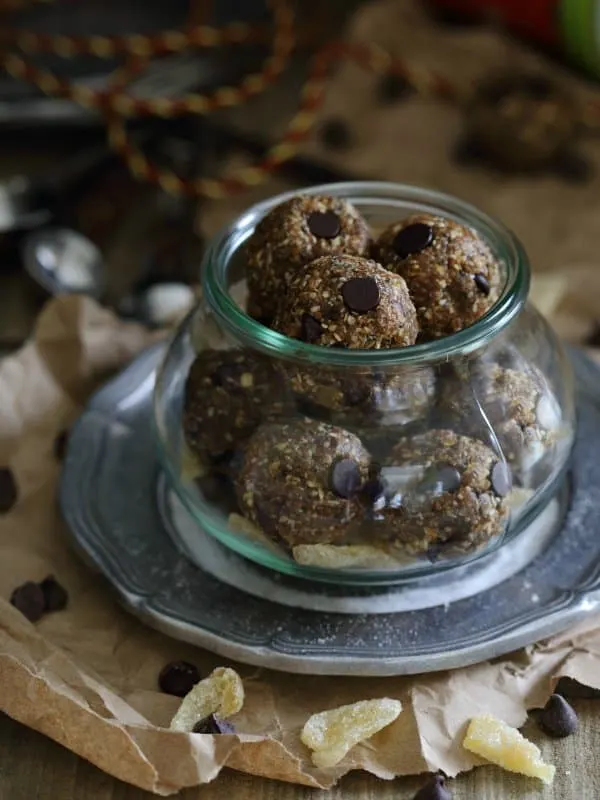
(228, 393)
(293, 234)
(300, 481)
(452, 276)
(512, 408)
(443, 491)
(348, 301)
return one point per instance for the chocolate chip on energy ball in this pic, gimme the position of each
(178, 678)
(29, 600)
(8, 490)
(558, 718)
(482, 283)
(501, 478)
(361, 294)
(434, 789)
(213, 724)
(55, 595)
(311, 329)
(324, 224)
(449, 478)
(345, 477)
(412, 239)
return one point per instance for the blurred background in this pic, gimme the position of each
(131, 131)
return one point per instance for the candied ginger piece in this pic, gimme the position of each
(221, 693)
(503, 745)
(342, 556)
(331, 734)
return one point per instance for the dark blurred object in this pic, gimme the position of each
(569, 27)
(22, 103)
(524, 123)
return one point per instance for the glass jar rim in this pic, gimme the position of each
(259, 337)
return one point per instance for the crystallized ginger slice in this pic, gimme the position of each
(503, 745)
(221, 693)
(331, 734)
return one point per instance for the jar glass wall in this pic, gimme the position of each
(364, 466)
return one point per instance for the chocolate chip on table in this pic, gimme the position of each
(558, 718)
(29, 600)
(56, 596)
(8, 490)
(392, 87)
(482, 283)
(178, 678)
(60, 445)
(345, 477)
(213, 724)
(324, 224)
(335, 134)
(434, 789)
(412, 239)
(501, 478)
(310, 329)
(361, 294)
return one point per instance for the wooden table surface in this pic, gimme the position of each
(35, 768)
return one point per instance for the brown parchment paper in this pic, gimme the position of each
(87, 676)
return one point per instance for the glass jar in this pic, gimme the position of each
(364, 466)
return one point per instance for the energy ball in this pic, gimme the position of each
(443, 491)
(365, 398)
(452, 276)
(228, 393)
(300, 481)
(509, 406)
(293, 234)
(348, 301)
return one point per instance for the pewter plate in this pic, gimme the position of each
(115, 501)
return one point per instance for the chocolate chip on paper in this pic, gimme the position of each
(558, 718)
(8, 490)
(434, 789)
(178, 678)
(29, 600)
(213, 724)
(56, 596)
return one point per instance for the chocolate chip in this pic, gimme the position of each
(393, 87)
(29, 600)
(482, 283)
(361, 294)
(558, 718)
(8, 490)
(441, 478)
(356, 394)
(55, 595)
(345, 477)
(324, 224)
(449, 477)
(213, 724)
(60, 445)
(178, 678)
(412, 239)
(310, 329)
(501, 478)
(335, 134)
(434, 789)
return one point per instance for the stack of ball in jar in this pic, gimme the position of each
(416, 462)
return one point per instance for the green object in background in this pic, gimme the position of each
(579, 21)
